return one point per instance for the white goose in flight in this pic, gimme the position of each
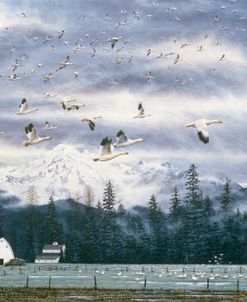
(150, 76)
(201, 127)
(49, 126)
(123, 141)
(65, 63)
(113, 41)
(141, 113)
(33, 137)
(91, 121)
(68, 104)
(23, 108)
(106, 151)
(13, 77)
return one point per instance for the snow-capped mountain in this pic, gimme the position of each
(65, 171)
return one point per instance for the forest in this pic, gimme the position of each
(196, 229)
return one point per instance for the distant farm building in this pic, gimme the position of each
(51, 253)
(6, 252)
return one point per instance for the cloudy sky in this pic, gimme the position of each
(198, 86)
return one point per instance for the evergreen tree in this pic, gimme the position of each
(193, 194)
(109, 199)
(193, 216)
(88, 196)
(74, 247)
(175, 205)
(30, 217)
(225, 198)
(53, 229)
(108, 224)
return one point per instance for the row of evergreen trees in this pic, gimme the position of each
(193, 231)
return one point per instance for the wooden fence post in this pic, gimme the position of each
(27, 281)
(238, 284)
(49, 282)
(145, 281)
(207, 283)
(95, 282)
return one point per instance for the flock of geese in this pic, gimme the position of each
(106, 150)
(107, 146)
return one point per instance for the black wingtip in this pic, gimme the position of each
(140, 106)
(120, 132)
(203, 138)
(106, 140)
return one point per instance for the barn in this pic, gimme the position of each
(6, 252)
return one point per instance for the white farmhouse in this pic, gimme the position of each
(51, 253)
(6, 252)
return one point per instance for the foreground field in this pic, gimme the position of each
(117, 276)
(76, 295)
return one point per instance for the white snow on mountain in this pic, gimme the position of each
(64, 172)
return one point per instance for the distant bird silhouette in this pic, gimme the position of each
(141, 113)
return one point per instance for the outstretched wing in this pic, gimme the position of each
(63, 105)
(91, 125)
(113, 42)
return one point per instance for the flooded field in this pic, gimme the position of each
(103, 276)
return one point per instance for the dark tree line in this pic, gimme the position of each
(195, 230)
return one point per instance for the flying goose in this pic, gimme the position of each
(13, 77)
(106, 151)
(48, 77)
(113, 41)
(49, 126)
(33, 137)
(141, 113)
(123, 141)
(23, 108)
(66, 105)
(65, 63)
(150, 76)
(149, 52)
(201, 127)
(16, 65)
(48, 95)
(91, 121)
(61, 33)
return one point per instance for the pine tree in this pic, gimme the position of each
(109, 227)
(175, 205)
(193, 194)
(53, 229)
(193, 216)
(30, 224)
(152, 209)
(74, 248)
(109, 199)
(88, 196)
(225, 198)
